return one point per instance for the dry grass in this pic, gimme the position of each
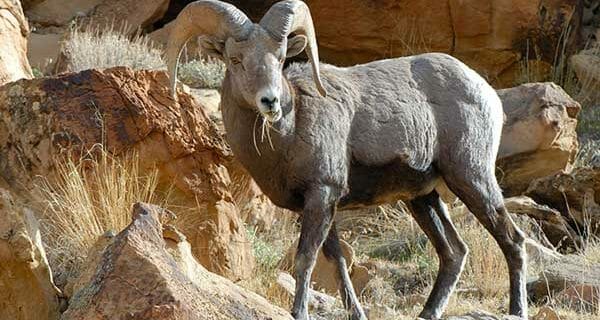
(207, 73)
(86, 198)
(94, 48)
(269, 247)
(404, 278)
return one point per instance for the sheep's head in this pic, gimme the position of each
(253, 53)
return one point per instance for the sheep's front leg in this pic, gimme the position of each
(319, 208)
(333, 251)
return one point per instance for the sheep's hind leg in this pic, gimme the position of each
(432, 216)
(482, 195)
(317, 216)
(333, 251)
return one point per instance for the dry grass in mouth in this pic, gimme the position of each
(265, 130)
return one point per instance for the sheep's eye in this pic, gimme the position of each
(235, 60)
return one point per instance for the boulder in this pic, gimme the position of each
(316, 300)
(572, 278)
(556, 228)
(43, 50)
(13, 42)
(576, 195)
(148, 272)
(546, 313)
(490, 36)
(130, 111)
(134, 15)
(58, 12)
(27, 290)
(539, 137)
(325, 275)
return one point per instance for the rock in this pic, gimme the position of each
(27, 290)
(581, 297)
(490, 36)
(482, 315)
(130, 111)
(569, 277)
(134, 15)
(575, 195)
(557, 231)
(325, 275)
(148, 272)
(13, 43)
(546, 313)
(360, 278)
(538, 138)
(317, 300)
(59, 13)
(43, 50)
(131, 14)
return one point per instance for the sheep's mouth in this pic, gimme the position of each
(272, 116)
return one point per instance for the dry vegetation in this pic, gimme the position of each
(93, 48)
(87, 197)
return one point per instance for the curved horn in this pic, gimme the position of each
(215, 19)
(290, 16)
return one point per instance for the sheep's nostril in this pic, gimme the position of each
(270, 103)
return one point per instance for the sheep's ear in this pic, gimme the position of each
(296, 45)
(211, 47)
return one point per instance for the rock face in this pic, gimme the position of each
(490, 36)
(148, 272)
(13, 42)
(539, 137)
(26, 287)
(130, 111)
(135, 14)
(576, 195)
(43, 50)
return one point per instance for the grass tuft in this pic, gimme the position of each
(208, 73)
(88, 197)
(94, 48)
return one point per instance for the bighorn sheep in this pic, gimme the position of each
(346, 138)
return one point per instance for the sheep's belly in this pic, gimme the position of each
(375, 185)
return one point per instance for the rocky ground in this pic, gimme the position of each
(117, 200)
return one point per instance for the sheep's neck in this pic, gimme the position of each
(261, 153)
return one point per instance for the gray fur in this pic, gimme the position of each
(385, 131)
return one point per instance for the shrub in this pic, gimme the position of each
(206, 73)
(94, 48)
